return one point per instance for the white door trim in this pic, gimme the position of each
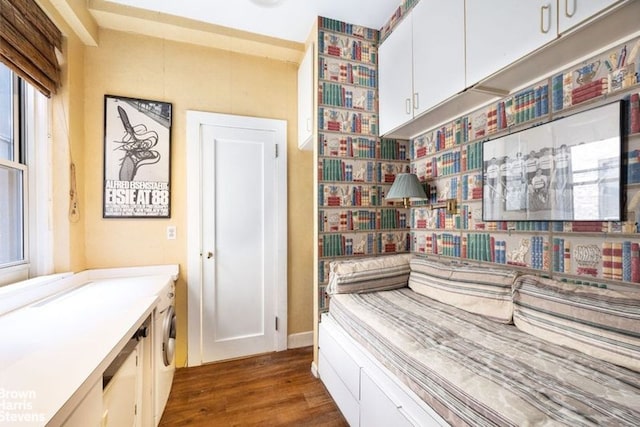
(195, 120)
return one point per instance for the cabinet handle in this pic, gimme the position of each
(566, 8)
(544, 8)
(407, 105)
(309, 125)
(416, 101)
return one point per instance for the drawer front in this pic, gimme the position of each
(377, 409)
(337, 389)
(342, 362)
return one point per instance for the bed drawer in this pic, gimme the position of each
(377, 408)
(378, 385)
(337, 389)
(345, 365)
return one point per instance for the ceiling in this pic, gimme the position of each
(289, 20)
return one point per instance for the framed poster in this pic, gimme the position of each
(137, 158)
(568, 169)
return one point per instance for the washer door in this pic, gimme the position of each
(168, 336)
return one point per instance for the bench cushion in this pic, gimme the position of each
(600, 322)
(476, 289)
(368, 274)
(475, 372)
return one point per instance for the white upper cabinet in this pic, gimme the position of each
(489, 48)
(421, 63)
(395, 87)
(573, 12)
(305, 101)
(501, 31)
(438, 52)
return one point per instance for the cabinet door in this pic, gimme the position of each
(305, 100)
(573, 12)
(89, 411)
(501, 31)
(394, 78)
(438, 52)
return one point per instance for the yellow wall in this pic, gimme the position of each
(191, 78)
(67, 146)
(68, 142)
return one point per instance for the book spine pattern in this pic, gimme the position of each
(355, 168)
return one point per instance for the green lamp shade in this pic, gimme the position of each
(406, 186)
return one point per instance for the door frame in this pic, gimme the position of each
(195, 120)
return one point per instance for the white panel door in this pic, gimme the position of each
(238, 232)
(240, 235)
(498, 32)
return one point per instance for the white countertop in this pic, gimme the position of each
(54, 350)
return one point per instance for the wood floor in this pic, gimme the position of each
(276, 389)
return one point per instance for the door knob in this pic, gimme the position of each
(209, 255)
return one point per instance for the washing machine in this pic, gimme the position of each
(165, 345)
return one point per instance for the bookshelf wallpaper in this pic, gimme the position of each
(398, 15)
(449, 161)
(355, 167)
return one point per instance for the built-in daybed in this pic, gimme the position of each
(412, 341)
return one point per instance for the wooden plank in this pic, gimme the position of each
(271, 389)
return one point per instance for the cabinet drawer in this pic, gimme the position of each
(342, 362)
(377, 408)
(347, 403)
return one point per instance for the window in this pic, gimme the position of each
(23, 160)
(13, 171)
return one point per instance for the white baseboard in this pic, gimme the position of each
(302, 339)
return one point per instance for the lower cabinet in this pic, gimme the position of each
(120, 397)
(89, 410)
(123, 395)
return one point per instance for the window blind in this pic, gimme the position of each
(28, 43)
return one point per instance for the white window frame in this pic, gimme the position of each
(37, 220)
